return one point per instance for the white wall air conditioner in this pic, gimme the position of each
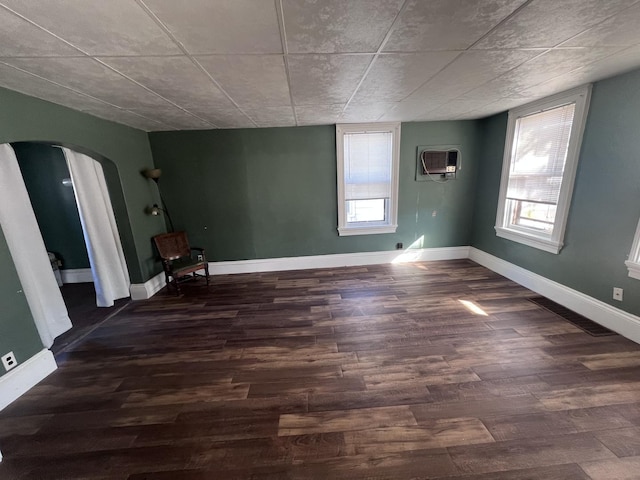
(437, 162)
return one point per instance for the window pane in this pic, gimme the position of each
(366, 210)
(539, 216)
(539, 155)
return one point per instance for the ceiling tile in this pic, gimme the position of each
(369, 112)
(20, 38)
(499, 106)
(272, 116)
(552, 64)
(178, 119)
(447, 24)
(336, 26)
(470, 70)
(37, 87)
(452, 109)
(408, 110)
(221, 26)
(325, 79)
(176, 78)
(394, 76)
(127, 118)
(318, 114)
(88, 76)
(255, 80)
(547, 23)
(620, 62)
(619, 30)
(222, 116)
(114, 27)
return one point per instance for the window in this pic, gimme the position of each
(633, 264)
(368, 159)
(539, 167)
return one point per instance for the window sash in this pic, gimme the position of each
(374, 210)
(539, 154)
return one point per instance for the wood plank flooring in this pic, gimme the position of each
(425, 371)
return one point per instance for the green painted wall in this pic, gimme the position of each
(43, 168)
(123, 152)
(605, 206)
(268, 193)
(17, 331)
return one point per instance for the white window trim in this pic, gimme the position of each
(633, 264)
(344, 229)
(553, 243)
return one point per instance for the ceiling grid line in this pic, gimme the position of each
(375, 56)
(592, 26)
(285, 51)
(501, 23)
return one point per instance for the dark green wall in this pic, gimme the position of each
(268, 193)
(17, 331)
(123, 152)
(43, 169)
(605, 206)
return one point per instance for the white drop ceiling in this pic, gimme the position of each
(201, 64)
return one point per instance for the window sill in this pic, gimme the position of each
(634, 269)
(368, 230)
(534, 241)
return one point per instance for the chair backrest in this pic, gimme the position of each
(172, 245)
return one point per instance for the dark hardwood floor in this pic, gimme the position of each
(425, 371)
(80, 300)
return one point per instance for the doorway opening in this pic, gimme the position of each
(47, 179)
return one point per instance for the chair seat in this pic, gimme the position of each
(185, 266)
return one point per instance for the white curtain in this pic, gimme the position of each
(29, 252)
(108, 266)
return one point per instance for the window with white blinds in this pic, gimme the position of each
(367, 169)
(541, 155)
(367, 178)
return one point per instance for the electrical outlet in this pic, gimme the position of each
(399, 246)
(617, 294)
(9, 361)
(200, 258)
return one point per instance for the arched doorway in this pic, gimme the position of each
(80, 317)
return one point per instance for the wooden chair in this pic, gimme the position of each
(177, 257)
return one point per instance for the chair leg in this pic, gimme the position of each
(168, 281)
(206, 272)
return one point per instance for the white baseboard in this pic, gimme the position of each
(337, 260)
(25, 376)
(624, 323)
(142, 291)
(76, 275)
